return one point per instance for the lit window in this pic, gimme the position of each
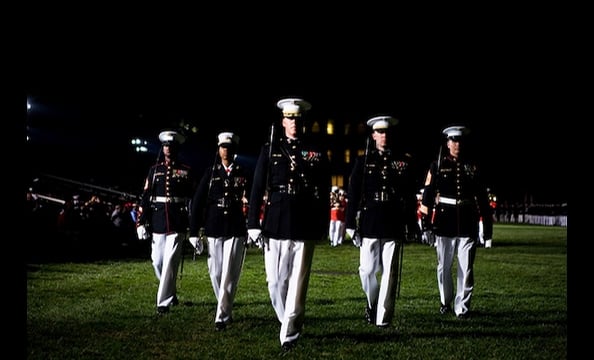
(315, 128)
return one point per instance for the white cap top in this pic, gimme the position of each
(381, 122)
(293, 106)
(168, 137)
(455, 132)
(228, 138)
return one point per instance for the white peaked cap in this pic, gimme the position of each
(455, 131)
(293, 106)
(381, 122)
(168, 137)
(228, 138)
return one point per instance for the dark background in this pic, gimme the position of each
(494, 74)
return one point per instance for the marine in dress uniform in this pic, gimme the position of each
(381, 213)
(294, 175)
(455, 198)
(217, 207)
(164, 212)
(337, 216)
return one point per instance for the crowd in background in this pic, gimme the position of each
(86, 221)
(82, 225)
(529, 213)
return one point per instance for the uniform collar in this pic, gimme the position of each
(383, 152)
(291, 141)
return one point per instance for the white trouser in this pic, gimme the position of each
(336, 232)
(288, 266)
(165, 256)
(225, 260)
(465, 249)
(380, 256)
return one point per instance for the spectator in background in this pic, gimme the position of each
(337, 217)
(123, 224)
(134, 213)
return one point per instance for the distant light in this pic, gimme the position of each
(141, 149)
(137, 141)
(28, 105)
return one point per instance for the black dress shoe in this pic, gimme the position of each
(370, 315)
(465, 315)
(288, 345)
(220, 326)
(444, 309)
(162, 310)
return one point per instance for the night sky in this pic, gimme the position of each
(105, 92)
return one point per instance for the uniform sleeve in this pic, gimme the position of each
(145, 198)
(410, 195)
(429, 190)
(354, 192)
(198, 204)
(258, 189)
(324, 186)
(486, 211)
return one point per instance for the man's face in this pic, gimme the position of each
(454, 146)
(291, 125)
(379, 136)
(226, 153)
(169, 149)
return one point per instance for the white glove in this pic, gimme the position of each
(142, 233)
(350, 233)
(354, 236)
(428, 237)
(255, 237)
(197, 244)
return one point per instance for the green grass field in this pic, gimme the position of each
(105, 309)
